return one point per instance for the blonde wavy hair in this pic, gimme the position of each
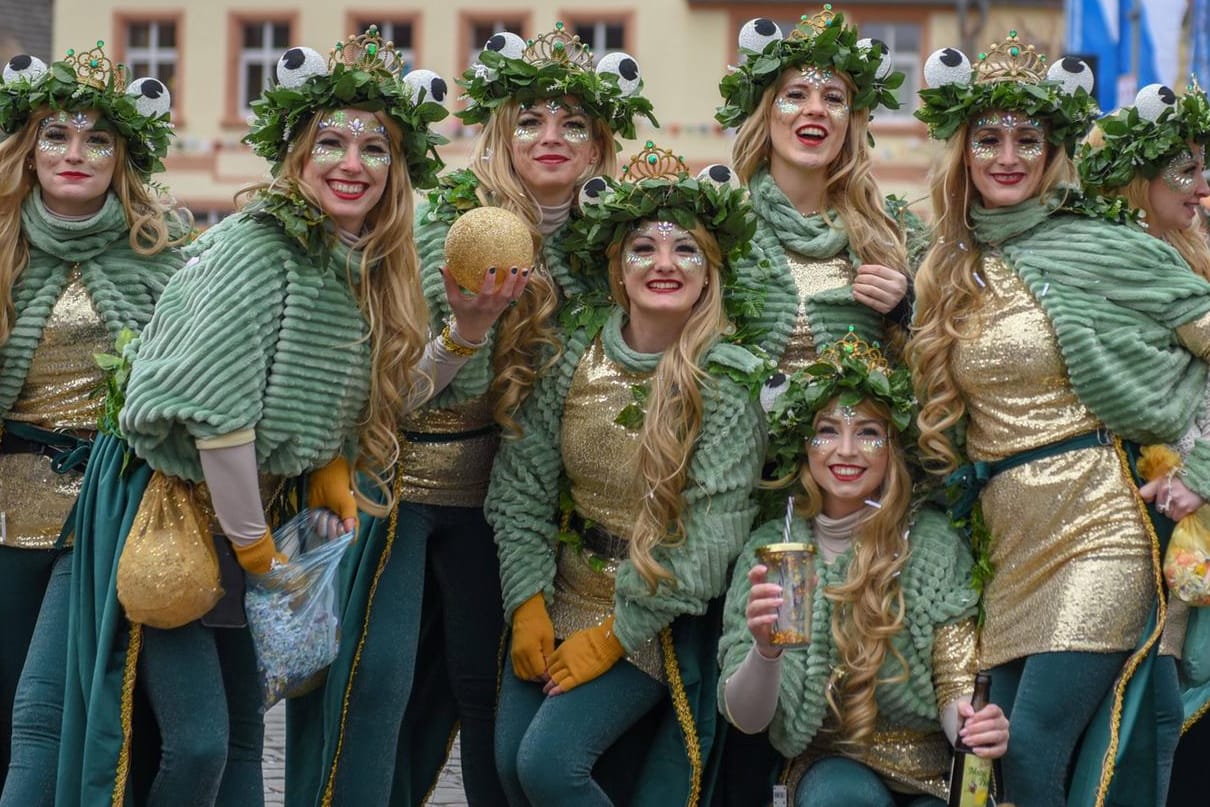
(850, 189)
(947, 297)
(868, 606)
(1193, 242)
(389, 297)
(154, 224)
(674, 412)
(523, 333)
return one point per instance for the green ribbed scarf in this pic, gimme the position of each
(123, 285)
(1115, 296)
(811, 236)
(936, 592)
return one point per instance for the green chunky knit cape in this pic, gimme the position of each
(765, 272)
(475, 376)
(936, 583)
(1115, 296)
(254, 332)
(123, 284)
(522, 503)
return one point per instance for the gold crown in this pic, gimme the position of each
(654, 163)
(813, 26)
(852, 346)
(559, 47)
(366, 52)
(1010, 60)
(95, 69)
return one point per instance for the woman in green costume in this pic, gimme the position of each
(89, 249)
(288, 347)
(647, 426)
(829, 251)
(1056, 338)
(1153, 155)
(424, 600)
(867, 710)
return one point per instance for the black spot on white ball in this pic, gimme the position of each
(776, 380)
(720, 173)
(21, 62)
(1166, 95)
(294, 58)
(764, 26)
(151, 88)
(951, 57)
(594, 187)
(496, 43)
(1073, 65)
(628, 69)
(439, 90)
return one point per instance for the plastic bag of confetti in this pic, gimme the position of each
(293, 611)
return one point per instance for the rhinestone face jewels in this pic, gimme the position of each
(576, 137)
(641, 254)
(328, 154)
(55, 137)
(96, 153)
(847, 413)
(991, 131)
(1177, 175)
(79, 121)
(526, 134)
(816, 76)
(355, 126)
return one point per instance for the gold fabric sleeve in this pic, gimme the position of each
(1195, 335)
(810, 278)
(954, 661)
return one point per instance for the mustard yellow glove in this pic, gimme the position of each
(258, 557)
(332, 487)
(533, 639)
(585, 655)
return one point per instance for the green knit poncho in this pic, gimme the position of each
(522, 503)
(1116, 297)
(123, 284)
(936, 584)
(254, 332)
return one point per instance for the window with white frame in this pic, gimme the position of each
(150, 51)
(603, 37)
(261, 45)
(398, 32)
(482, 30)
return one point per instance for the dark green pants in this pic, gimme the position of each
(844, 782)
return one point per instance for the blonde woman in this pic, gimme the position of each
(426, 596)
(1056, 338)
(867, 711)
(287, 348)
(655, 446)
(829, 252)
(88, 249)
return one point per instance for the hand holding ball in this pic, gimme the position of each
(486, 237)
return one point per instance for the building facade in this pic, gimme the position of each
(216, 56)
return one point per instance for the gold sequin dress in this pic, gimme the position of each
(1072, 557)
(812, 278)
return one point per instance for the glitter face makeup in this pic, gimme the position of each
(74, 160)
(847, 413)
(355, 125)
(327, 155)
(847, 457)
(346, 168)
(96, 152)
(577, 137)
(663, 272)
(552, 147)
(1178, 174)
(990, 133)
(1176, 193)
(526, 134)
(816, 76)
(331, 148)
(80, 121)
(1006, 156)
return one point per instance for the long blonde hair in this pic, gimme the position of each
(868, 606)
(947, 296)
(674, 413)
(524, 332)
(851, 191)
(389, 297)
(1192, 242)
(151, 220)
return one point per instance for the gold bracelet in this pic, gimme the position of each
(454, 346)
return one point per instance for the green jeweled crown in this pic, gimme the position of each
(822, 40)
(552, 66)
(361, 72)
(1146, 136)
(850, 369)
(656, 185)
(1008, 76)
(90, 81)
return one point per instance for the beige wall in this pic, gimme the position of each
(683, 49)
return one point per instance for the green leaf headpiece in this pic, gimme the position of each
(820, 41)
(86, 81)
(362, 73)
(1145, 137)
(657, 186)
(1012, 77)
(850, 369)
(552, 66)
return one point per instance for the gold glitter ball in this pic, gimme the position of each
(486, 237)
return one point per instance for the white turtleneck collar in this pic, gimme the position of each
(553, 217)
(834, 536)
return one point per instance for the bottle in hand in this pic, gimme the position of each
(971, 776)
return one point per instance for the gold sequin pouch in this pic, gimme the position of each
(168, 571)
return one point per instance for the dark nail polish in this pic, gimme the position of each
(491, 271)
(524, 273)
(514, 270)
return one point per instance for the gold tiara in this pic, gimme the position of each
(559, 47)
(95, 69)
(367, 52)
(1010, 60)
(852, 346)
(813, 26)
(654, 163)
